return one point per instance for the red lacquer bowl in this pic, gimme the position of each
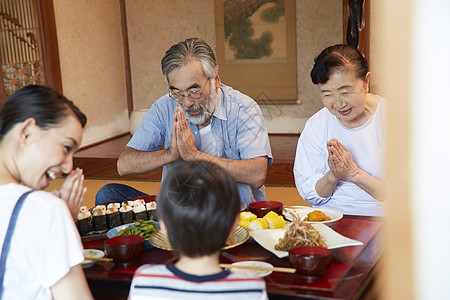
(310, 260)
(125, 250)
(261, 208)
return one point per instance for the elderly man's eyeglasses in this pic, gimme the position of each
(193, 94)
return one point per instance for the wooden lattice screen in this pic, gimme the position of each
(22, 48)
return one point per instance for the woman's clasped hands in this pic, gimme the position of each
(340, 161)
(72, 191)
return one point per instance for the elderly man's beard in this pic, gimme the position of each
(207, 109)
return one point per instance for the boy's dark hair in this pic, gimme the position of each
(198, 203)
(42, 103)
(335, 58)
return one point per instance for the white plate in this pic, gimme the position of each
(268, 238)
(251, 272)
(302, 212)
(91, 253)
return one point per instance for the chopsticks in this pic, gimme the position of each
(98, 259)
(274, 269)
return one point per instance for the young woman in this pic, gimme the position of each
(40, 131)
(339, 162)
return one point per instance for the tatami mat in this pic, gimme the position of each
(287, 195)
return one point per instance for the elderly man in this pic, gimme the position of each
(200, 119)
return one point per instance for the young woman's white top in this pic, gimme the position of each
(45, 244)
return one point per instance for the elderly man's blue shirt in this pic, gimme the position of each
(237, 126)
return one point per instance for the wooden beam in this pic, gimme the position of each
(126, 54)
(50, 49)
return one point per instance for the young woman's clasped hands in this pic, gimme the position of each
(72, 191)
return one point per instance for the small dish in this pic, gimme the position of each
(252, 272)
(91, 253)
(114, 231)
(302, 212)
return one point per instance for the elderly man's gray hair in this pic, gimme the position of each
(184, 52)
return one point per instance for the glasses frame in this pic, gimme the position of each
(193, 95)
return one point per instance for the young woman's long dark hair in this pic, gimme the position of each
(42, 103)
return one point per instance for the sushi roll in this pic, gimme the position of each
(138, 202)
(83, 209)
(127, 203)
(99, 219)
(140, 213)
(151, 210)
(100, 207)
(113, 217)
(113, 204)
(126, 214)
(84, 222)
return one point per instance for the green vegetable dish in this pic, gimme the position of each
(142, 228)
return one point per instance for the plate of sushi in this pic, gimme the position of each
(104, 217)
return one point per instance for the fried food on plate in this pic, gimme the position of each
(316, 216)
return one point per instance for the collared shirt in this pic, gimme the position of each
(237, 126)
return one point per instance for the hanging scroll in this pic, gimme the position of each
(256, 48)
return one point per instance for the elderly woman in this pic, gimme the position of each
(339, 163)
(41, 257)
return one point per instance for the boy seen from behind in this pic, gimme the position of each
(198, 208)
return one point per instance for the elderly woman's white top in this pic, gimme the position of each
(367, 146)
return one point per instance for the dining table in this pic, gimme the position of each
(351, 275)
